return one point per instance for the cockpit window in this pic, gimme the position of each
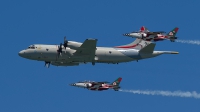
(31, 47)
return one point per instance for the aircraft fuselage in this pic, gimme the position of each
(76, 53)
(49, 53)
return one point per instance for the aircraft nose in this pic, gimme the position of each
(21, 53)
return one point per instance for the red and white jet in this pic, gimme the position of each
(98, 86)
(145, 34)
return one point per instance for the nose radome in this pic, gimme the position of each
(21, 53)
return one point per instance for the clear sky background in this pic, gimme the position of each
(27, 86)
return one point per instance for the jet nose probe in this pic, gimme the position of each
(73, 84)
(126, 34)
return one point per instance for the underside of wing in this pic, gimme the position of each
(155, 33)
(99, 83)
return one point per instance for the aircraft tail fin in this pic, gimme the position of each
(143, 29)
(116, 84)
(137, 44)
(148, 48)
(172, 34)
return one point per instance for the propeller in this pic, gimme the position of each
(59, 51)
(65, 43)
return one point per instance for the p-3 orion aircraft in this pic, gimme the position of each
(72, 53)
(98, 86)
(145, 34)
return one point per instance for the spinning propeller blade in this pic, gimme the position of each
(65, 43)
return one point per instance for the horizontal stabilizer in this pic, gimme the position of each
(148, 49)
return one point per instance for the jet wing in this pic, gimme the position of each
(155, 33)
(100, 82)
(96, 83)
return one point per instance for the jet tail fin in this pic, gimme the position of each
(172, 34)
(143, 29)
(148, 48)
(116, 84)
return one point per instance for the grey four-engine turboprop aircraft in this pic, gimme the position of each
(72, 53)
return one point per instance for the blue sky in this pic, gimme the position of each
(27, 85)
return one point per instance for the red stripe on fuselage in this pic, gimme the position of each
(127, 46)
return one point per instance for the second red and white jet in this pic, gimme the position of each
(145, 34)
(98, 86)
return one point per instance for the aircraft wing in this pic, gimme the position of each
(155, 33)
(87, 49)
(103, 82)
(96, 83)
